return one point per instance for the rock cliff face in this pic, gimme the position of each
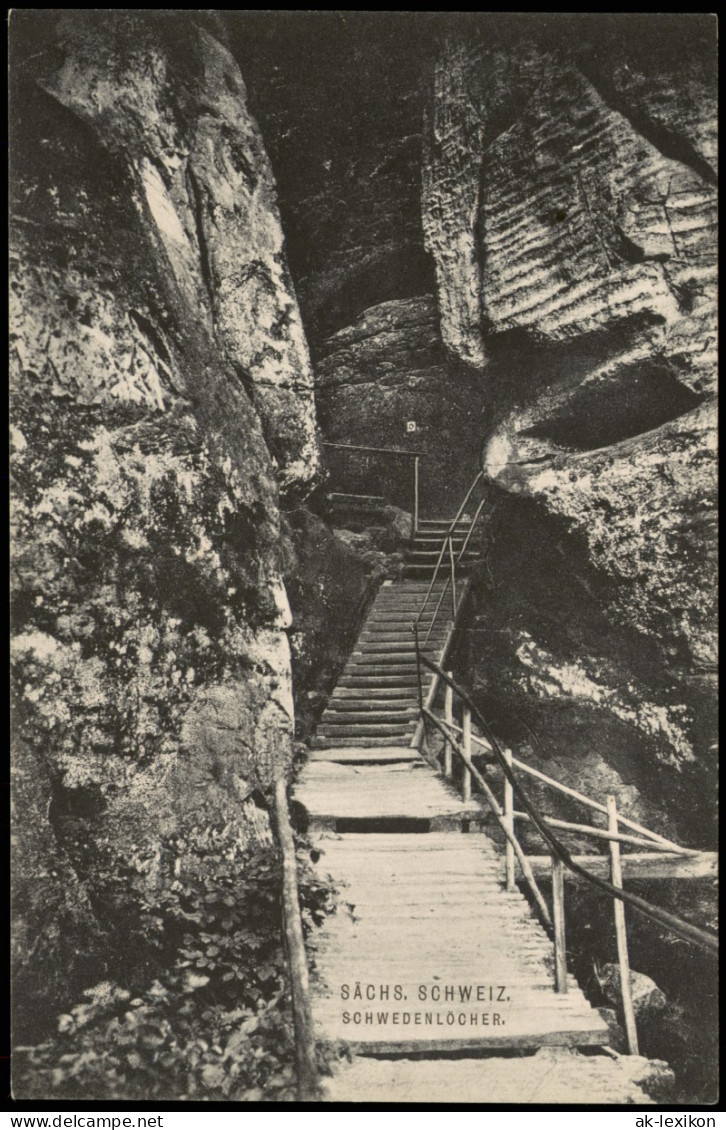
(567, 210)
(338, 101)
(591, 209)
(388, 368)
(162, 397)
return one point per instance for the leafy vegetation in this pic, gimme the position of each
(213, 1024)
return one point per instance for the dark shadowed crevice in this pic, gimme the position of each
(195, 193)
(621, 410)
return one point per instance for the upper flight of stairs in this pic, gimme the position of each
(425, 547)
(376, 699)
(375, 702)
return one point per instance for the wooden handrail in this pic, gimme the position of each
(678, 926)
(474, 521)
(626, 989)
(499, 817)
(308, 1089)
(417, 456)
(638, 865)
(604, 834)
(663, 843)
(379, 450)
(445, 539)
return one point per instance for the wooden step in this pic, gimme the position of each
(359, 735)
(431, 538)
(342, 695)
(443, 525)
(524, 1032)
(325, 744)
(391, 586)
(403, 623)
(371, 715)
(404, 602)
(381, 635)
(379, 652)
(404, 708)
(361, 708)
(355, 679)
(363, 755)
(392, 733)
(369, 702)
(416, 554)
(382, 690)
(546, 1077)
(407, 791)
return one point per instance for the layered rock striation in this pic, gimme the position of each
(565, 205)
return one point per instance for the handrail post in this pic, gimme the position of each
(453, 577)
(415, 494)
(558, 923)
(449, 717)
(307, 1077)
(499, 817)
(509, 818)
(621, 934)
(419, 684)
(466, 740)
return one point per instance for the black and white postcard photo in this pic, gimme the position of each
(363, 490)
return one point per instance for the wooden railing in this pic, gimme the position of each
(460, 740)
(391, 452)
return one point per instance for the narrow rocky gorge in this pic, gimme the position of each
(236, 239)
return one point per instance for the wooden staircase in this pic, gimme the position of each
(446, 958)
(376, 703)
(434, 952)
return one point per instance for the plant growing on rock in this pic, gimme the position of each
(210, 1022)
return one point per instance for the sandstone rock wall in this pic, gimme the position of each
(391, 367)
(162, 396)
(565, 204)
(594, 266)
